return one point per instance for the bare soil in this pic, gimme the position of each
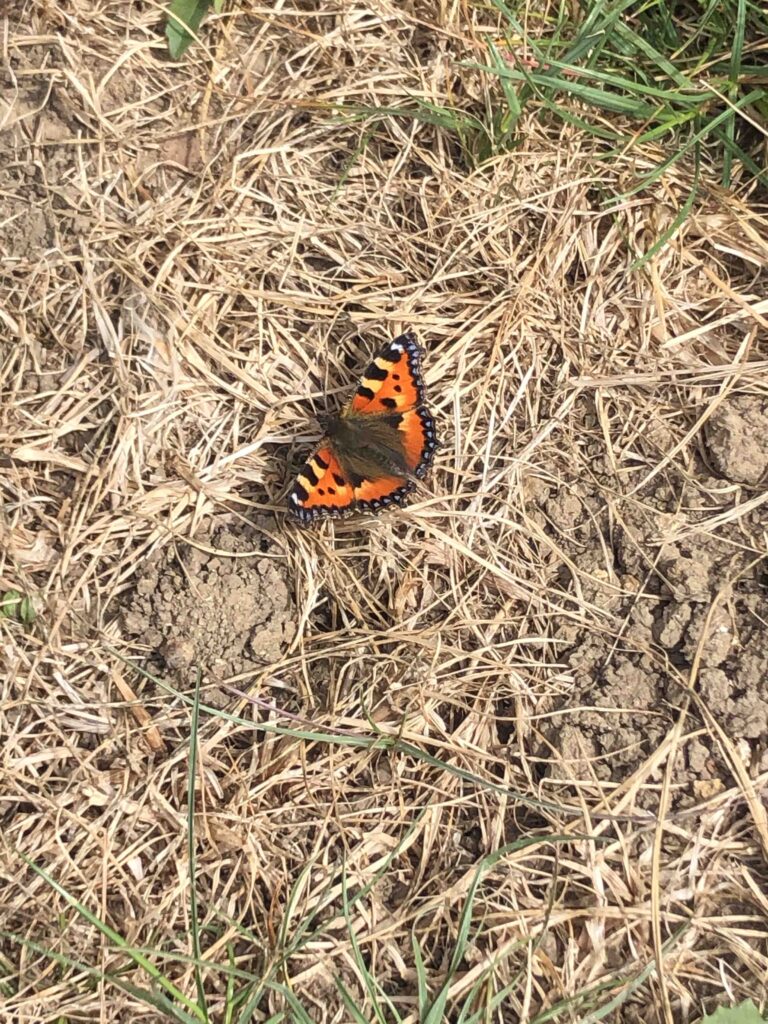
(692, 607)
(218, 603)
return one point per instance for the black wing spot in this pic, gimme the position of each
(321, 462)
(299, 492)
(340, 481)
(365, 392)
(375, 372)
(390, 403)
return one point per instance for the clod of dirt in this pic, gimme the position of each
(745, 709)
(25, 231)
(219, 604)
(618, 715)
(738, 439)
(681, 627)
(687, 571)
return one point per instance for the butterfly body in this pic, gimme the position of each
(379, 445)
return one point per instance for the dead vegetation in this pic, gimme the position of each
(533, 705)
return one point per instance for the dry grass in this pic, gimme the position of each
(190, 256)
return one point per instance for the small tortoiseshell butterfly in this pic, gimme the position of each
(379, 445)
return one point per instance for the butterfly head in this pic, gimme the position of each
(326, 421)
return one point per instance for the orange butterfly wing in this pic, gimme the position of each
(375, 495)
(393, 383)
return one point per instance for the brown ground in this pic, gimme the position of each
(565, 638)
(692, 604)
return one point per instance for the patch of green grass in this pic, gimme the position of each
(471, 131)
(17, 606)
(688, 76)
(247, 991)
(480, 1005)
(628, 73)
(744, 1013)
(433, 1007)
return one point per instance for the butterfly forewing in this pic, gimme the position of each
(393, 382)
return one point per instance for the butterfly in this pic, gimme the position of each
(379, 445)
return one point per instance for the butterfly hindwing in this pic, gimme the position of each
(419, 439)
(321, 488)
(393, 382)
(374, 495)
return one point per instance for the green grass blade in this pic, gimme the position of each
(230, 1000)
(357, 1016)
(422, 111)
(350, 162)
(514, 107)
(632, 984)
(671, 231)
(192, 846)
(436, 1012)
(611, 100)
(251, 1006)
(643, 45)
(759, 173)
(118, 941)
(370, 983)
(184, 18)
(300, 1015)
(695, 140)
(737, 49)
(421, 978)
(497, 1000)
(673, 125)
(628, 984)
(502, 7)
(293, 897)
(157, 1001)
